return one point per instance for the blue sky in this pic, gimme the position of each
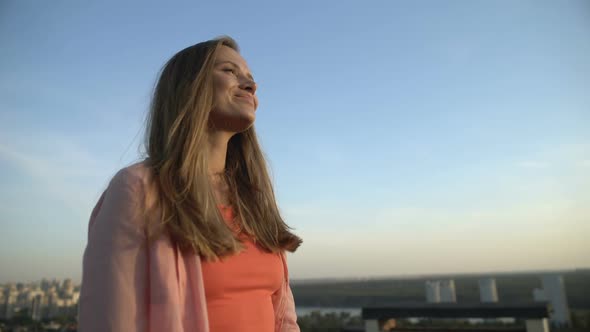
(404, 137)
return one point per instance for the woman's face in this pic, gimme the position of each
(234, 101)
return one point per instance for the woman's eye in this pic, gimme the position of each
(230, 70)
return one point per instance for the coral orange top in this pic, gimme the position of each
(238, 288)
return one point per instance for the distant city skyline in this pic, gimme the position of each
(403, 138)
(57, 300)
(41, 300)
(78, 282)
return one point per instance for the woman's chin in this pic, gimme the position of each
(233, 120)
(247, 116)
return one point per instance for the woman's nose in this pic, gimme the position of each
(248, 84)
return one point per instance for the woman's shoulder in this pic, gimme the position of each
(135, 178)
(137, 174)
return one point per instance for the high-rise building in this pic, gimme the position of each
(76, 296)
(554, 290)
(432, 291)
(9, 303)
(438, 291)
(67, 288)
(488, 292)
(447, 291)
(45, 284)
(539, 295)
(2, 300)
(36, 308)
(53, 304)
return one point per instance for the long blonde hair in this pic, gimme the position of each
(176, 146)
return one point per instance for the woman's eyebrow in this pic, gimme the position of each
(235, 65)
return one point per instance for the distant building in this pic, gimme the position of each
(47, 299)
(539, 295)
(447, 291)
(10, 298)
(438, 291)
(45, 284)
(554, 290)
(67, 287)
(53, 304)
(76, 296)
(488, 293)
(433, 291)
(2, 303)
(36, 308)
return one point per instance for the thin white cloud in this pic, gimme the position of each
(533, 164)
(61, 172)
(557, 156)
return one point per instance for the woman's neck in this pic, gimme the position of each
(217, 150)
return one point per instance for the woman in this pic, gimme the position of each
(191, 238)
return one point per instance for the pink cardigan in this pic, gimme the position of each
(129, 285)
